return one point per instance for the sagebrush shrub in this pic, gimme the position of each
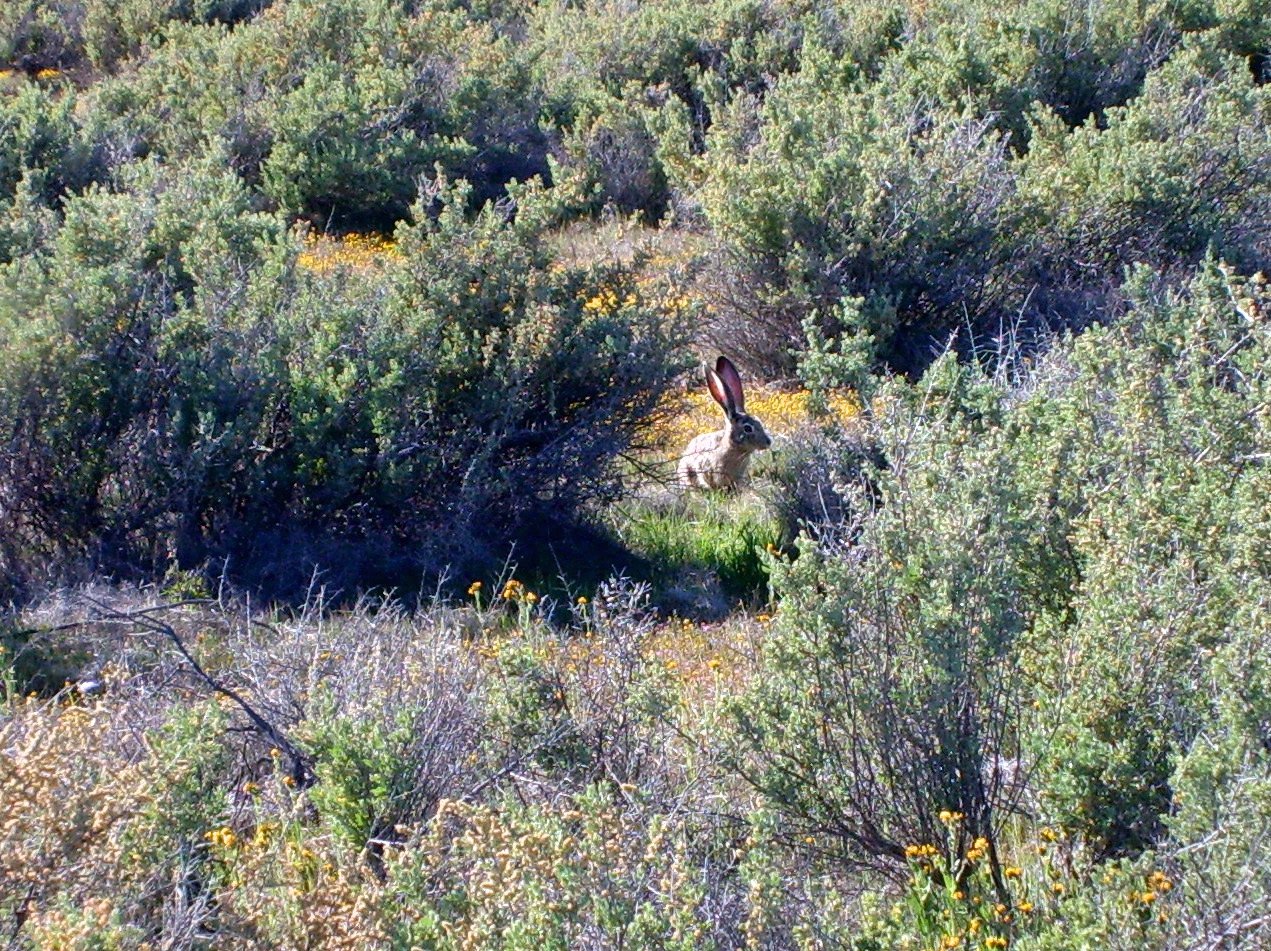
(176, 387)
(928, 206)
(1030, 614)
(890, 689)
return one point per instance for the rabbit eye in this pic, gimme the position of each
(748, 429)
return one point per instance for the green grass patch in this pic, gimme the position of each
(726, 536)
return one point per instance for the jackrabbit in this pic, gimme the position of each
(718, 460)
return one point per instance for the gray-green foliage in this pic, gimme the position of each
(971, 217)
(174, 386)
(973, 167)
(1057, 597)
(1166, 433)
(892, 687)
(41, 141)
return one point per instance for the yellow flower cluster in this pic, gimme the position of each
(323, 254)
(949, 817)
(515, 590)
(1158, 883)
(265, 833)
(920, 851)
(979, 848)
(606, 301)
(223, 838)
(46, 73)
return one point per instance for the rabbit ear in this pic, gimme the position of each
(721, 393)
(732, 382)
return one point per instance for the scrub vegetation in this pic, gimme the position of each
(347, 348)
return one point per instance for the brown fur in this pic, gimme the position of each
(719, 460)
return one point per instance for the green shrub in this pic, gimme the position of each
(1032, 608)
(328, 158)
(966, 225)
(890, 688)
(523, 876)
(1220, 816)
(59, 34)
(335, 111)
(528, 707)
(90, 386)
(614, 153)
(1183, 168)
(39, 35)
(846, 192)
(376, 773)
(175, 387)
(39, 139)
(185, 779)
(1164, 426)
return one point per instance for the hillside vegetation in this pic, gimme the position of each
(346, 349)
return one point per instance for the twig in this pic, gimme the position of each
(301, 765)
(20, 915)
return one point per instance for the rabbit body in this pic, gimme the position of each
(719, 460)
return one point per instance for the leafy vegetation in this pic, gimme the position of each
(345, 352)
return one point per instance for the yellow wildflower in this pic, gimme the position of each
(223, 837)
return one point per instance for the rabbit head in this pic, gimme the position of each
(744, 431)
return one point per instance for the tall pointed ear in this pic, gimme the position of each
(732, 382)
(720, 392)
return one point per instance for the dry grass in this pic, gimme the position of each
(151, 811)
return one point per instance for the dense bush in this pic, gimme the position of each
(832, 189)
(40, 141)
(968, 168)
(891, 688)
(1165, 435)
(177, 387)
(1049, 609)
